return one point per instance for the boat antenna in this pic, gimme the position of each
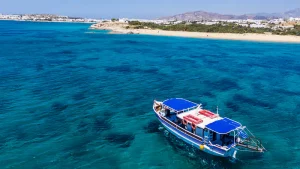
(217, 109)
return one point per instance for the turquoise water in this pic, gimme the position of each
(76, 98)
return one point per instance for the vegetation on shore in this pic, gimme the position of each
(217, 28)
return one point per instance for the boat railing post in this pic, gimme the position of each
(233, 137)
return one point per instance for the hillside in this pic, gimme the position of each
(203, 15)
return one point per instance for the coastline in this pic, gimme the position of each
(117, 28)
(45, 21)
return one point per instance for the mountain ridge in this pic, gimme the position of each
(203, 15)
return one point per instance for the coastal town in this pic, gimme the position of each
(233, 29)
(47, 18)
(275, 24)
(276, 30)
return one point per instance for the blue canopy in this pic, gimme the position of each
(223, 126)
(178, 104)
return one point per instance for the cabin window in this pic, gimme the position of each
(214, 136)
(199, 132)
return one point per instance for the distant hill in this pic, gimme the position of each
(202, 15)
(292, 13)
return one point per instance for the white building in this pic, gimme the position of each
(243, 24)
(258, 26)
(276, 21)
(10, 17)
(287, 27)
(210, 23)
(294, 19)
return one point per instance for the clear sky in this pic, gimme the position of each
(143, 8)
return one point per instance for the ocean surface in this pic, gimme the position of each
(76, 98)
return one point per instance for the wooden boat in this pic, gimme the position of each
(204, 129)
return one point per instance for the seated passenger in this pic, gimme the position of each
(168, 113)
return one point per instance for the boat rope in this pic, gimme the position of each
(246, 150)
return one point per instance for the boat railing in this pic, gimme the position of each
(182, 111)
(220, 147)
(250, 142)
(194, 135)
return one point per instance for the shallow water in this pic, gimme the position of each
(76, 98)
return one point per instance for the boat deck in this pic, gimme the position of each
(205, 117)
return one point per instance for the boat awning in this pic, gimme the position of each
(179, 104)
(223, 126)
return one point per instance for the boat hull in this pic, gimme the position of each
(187, 138)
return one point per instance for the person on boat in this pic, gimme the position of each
(168, 112)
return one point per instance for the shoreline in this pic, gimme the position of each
(45, 21)
(121, 29)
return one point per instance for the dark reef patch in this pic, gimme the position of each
(58, 106)
(208, 94)
(78, 96)
(91, 59)
(120, 69)
(150, 71)
(152, 127)
(77, 147)
(223, 84)
(122, 140)
(195, 56)
(59, 62)
(131, 69)
(211, 62)
(39, 67)
(3, 104)
(287, 92)
(183, 48)
(257, 87)
(101, 123)
(233, 106)
(182, 61)
(83, 127)
(67, 52)
(87, 67)
(255, 102)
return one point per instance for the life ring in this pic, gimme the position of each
(184, 122)
(194, 126)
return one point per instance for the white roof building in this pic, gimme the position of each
(258, 26)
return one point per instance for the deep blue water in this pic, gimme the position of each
(75, 98)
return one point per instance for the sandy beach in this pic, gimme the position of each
(120, 28)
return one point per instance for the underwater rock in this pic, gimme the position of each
(233, 106)
(152, 127)
(225, 84)
(101, 124)
(121, 69)
(244, 99)
(57, 106)
(78, 96)
(120, 139)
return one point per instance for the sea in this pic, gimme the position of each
(71, 97)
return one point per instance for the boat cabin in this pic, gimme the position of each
(203, 123)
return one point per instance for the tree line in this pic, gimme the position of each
(218, 28)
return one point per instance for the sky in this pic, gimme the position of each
(147, 9)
